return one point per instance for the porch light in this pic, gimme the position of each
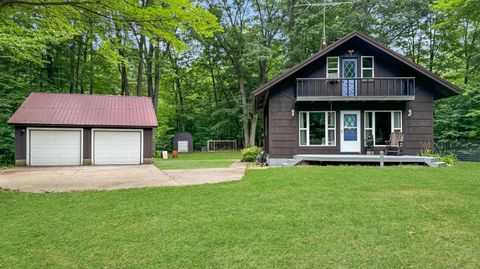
(409, 113)
(293, 113)
(22, 131)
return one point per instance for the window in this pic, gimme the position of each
(380, 124)
(333, 69)
(367, 67)
(317, 128)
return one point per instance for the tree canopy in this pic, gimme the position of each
(199, 61)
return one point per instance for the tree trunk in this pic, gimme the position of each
(77, 68)
(72, 66)
(124, 73)
(291, 30)
(140, 65)
(246, 137)
(91, 58)
(253, 130)
(91, 66)
(156, 87)
(85, 50)
(149, 60)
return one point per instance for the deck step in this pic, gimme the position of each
(290, 162)
(437, 164)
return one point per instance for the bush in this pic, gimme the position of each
(249, 154)
(449, 159)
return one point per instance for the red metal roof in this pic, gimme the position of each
(62, 109)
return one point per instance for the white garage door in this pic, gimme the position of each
(55, 147)
(117, 147)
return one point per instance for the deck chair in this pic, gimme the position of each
(395, 144)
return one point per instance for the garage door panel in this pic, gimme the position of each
(117, 147)
(55, 147)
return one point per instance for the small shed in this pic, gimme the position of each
(183, 142)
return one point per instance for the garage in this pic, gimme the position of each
(54, 147)
(84, 129)
(117, 147)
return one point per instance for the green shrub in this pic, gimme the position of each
(249, 154)
(449, 159)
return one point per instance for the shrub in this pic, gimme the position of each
(249, 154)
(449, 159)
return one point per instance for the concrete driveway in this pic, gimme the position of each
(82, 178)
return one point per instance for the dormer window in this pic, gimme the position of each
(333, 70)
(367, 67)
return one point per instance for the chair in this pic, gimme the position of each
(395, 144)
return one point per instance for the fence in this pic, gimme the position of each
(221, 145)
(465, 150)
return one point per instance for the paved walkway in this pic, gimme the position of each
(82, 178)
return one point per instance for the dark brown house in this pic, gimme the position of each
(80, 129)
(353, 89)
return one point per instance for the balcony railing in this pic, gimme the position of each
(351, 89)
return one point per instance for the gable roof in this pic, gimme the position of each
(60, 109)
(260, 94)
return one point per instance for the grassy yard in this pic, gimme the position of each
(199, 160)
(304, 217)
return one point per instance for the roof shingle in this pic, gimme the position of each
(62, 109)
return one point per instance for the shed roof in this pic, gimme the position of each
(60, 109)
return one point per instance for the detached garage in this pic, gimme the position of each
(78, 129)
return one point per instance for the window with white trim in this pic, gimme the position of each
(367, 67)
(333, 67)
(380, 124)
(317, 128)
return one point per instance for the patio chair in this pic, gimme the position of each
(395, 144)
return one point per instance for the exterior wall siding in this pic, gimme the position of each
(20, 146)
(148, 149)
(283, 134)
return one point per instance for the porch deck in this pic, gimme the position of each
(356, 158)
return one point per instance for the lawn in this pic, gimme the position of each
(199, 160)
(303, 217)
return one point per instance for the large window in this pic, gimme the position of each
(367, 67)
(317, 128)
(333, 69)
(380, 124)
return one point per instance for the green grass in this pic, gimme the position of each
(304, 217)
(199, 160)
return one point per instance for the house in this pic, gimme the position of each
(79, 129)
(352, 89)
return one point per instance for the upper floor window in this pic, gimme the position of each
(367, 67)
(333, 69)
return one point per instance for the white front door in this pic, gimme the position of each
(350, 131)
(117, 147)
(55, 147)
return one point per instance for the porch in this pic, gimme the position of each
(355, 158)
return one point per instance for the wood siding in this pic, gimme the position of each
(20, 143)
(148, 149)
(282, 139)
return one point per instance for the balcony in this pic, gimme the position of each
(356, 89)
